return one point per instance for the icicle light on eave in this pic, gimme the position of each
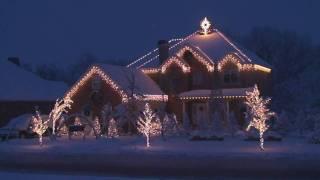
(209, 65)
(94, 70)
(175, 60)
(232, 58)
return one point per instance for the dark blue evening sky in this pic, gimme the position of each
(59, 31)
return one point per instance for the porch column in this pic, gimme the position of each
(183, 110)
(208, 111)
(227, 110)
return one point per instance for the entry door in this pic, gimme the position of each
(200, 114)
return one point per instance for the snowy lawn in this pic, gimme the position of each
(176, 156)
(295, 147)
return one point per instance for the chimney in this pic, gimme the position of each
(163, 46)
(14, 60)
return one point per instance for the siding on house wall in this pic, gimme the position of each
(85, 98)
(174, 81)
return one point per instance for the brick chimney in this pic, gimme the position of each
(14, 60)
(163, 46)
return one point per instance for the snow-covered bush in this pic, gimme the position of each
(314, 137)
(128, 114)
(233, 124)
(170, 125)
(216, 125)
(186, 123)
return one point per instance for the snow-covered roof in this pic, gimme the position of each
(18, 84)
(229, 92)
(123, 77)
(214, 46)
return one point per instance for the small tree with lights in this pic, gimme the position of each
(258, 113)
(148, 125)
(60, 107)
(97, 127)
(39, 125)
(112, 129)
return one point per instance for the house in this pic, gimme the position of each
(194, 77)
(21, 91)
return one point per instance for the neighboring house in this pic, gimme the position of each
(198, 75)
(21, 91)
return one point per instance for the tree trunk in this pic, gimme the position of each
(261, 141)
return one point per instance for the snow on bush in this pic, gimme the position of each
(170, 125)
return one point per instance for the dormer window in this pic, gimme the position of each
(231, 76)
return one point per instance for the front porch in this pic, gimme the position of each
(204, 106)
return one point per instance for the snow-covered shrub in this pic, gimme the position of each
(128, 114)
(186, 123)
(216, 126)
(233, 124)
(170, 125)
(314, 137)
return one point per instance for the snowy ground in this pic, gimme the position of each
(128, 156)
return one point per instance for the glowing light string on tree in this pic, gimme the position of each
(258, 113)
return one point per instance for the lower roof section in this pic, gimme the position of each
(199, 94)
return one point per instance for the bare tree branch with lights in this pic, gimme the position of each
(258, 113)
(97, 127)
(148, 125)
(39, 126)
(60, 107)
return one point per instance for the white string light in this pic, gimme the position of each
(94, 70)
(209, 66)
(175, 60)
(209, 97)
